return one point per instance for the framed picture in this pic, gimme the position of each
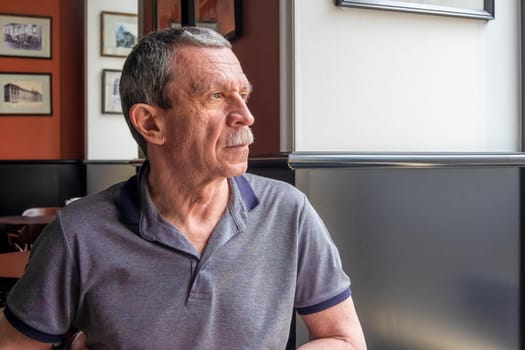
(167, 13)
(482, 9)
(26, 94)
(119, 33)
(110, 92)
(25, 36)
(224, 16)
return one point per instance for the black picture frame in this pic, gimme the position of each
(227, 20)
(176, 13)
(26, 94)
(486, 12)
(110, 92)
(26, 36)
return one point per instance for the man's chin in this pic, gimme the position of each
(236, 163)
(236, 168)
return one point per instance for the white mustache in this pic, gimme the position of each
(242, 136)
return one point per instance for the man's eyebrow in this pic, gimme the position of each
(203, 84)
(249, 86)
(246, 87)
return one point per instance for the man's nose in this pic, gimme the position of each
(240, 114)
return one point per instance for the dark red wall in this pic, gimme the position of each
(258, 51)
(61, 135)
(72, 77)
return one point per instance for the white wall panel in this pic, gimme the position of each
(371, 80)
(107, 136)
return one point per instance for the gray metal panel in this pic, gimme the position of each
(433, 253)
(298, 160)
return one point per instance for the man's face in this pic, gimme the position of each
(208, 127)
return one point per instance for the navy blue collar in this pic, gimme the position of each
(247, 193)
(128, 202)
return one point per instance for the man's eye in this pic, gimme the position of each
(245, 96)
(217, 95)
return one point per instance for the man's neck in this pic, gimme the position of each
(194, 205)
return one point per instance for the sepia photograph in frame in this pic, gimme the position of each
(25, 36)
(110, 91)
(119, 33)
(26, 94)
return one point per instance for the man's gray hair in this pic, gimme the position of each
(147, 70)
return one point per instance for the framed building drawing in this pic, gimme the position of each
(119, 33)
(110, 92)
(25, 36)
(481, 9)
(26, 94)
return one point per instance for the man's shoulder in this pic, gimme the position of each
(257, 181)
(93, 205)
(273, 189)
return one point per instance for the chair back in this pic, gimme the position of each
(23, 237)
(40, 211)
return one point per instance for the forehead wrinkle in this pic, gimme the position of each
(206, 72)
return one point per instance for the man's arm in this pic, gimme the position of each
(337, 327)
(12, 339)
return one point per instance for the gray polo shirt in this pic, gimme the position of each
(113, 267)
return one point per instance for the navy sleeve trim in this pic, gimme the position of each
(28, 331)
(325, 304)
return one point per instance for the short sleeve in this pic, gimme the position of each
(321, 281)
(42, 303)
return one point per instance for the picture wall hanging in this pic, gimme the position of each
(25, 36)
(110, 91)
(26, 94)
(480, 9)
(224, 16)
(119, 33)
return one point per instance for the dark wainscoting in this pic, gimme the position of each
(26, 184)
(274, 166)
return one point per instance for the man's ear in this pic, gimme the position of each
(148, 122)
